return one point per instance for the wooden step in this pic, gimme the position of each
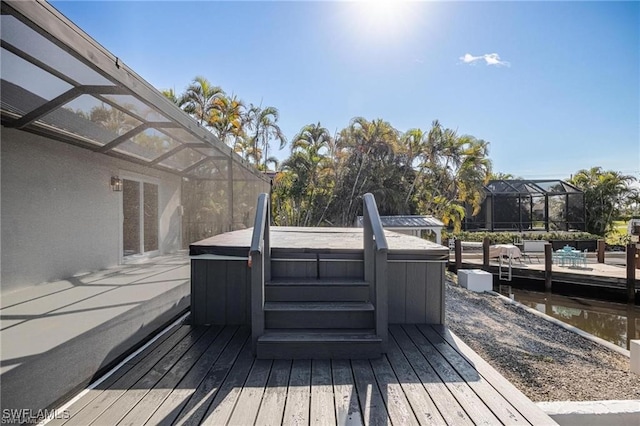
(313, 315)
(321, 264)
(319, 344)
(314, 290)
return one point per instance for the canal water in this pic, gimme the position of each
(615, 322)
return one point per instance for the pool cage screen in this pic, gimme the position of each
(528, 205)
(68, 88)
(221, 196)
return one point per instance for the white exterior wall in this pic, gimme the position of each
(59, 214)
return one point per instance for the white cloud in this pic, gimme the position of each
(489, 58)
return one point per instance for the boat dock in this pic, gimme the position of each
(594, 274)
(611, 271)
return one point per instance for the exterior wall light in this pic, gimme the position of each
(116, 184)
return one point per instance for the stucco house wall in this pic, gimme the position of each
(59, 214)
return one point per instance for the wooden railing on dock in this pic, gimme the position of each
(375, 265)
(548, 274)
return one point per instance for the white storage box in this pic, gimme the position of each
(475, 280)
(635, 356)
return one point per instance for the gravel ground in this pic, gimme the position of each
(544, 361)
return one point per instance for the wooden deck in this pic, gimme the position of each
(606, 275)
(207, 375)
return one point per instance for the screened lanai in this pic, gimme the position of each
(103, 182)
(62, 85)
(528, 205)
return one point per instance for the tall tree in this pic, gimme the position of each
(172, 96)
(199, 99)
(227, 118)
(310, 181)
(264, 124)
(455, 170)
(605, 193)
(369, 161)
(414, 142)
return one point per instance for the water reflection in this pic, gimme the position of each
(615, 322)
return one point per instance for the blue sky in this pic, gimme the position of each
(552, 86)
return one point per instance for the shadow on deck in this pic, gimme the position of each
(208, 375)
(57, 337)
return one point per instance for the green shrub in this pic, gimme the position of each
(510, 237)
(617, 239)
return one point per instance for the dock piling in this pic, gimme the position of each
(631, 272)
(458, 254)
(548, 266)
(486, 243)
(601, 247)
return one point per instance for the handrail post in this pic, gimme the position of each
(382, 297)
(267, 243)
(375, 266)
(369, 262)
(257, 299)
(260, 267)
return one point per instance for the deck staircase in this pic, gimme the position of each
(317, 316)
(316, 305)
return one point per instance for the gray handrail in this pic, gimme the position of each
(260, 255)
(371, 212)
(259, 224)
(375, 265)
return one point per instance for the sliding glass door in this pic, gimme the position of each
(140, 217)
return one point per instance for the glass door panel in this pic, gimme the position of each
(140, 217)
(131, 217)
(150, 217)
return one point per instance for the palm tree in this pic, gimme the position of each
(263, 122)
(309, 166)
(452, 171)
(604, 195)
(502, 176)
(244, 146)
(171, 95)
(199, 99)
(227, 118)
(473, 172)
(112, 119)
(368, 163)
(415, 143)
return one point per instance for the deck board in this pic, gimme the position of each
(448, 406)
(459, 387)
(169, 409)
(398, 406)
(374, 411)
(199, 402)
(494, 401)
(275, 395)
(346, 402)
(221, 407)
(155, 397)
(246, 409)
(118, 375)
(106, 396)
(208, 375)
(322, 408)
(119, 409)
(296, 411)
(423, 406)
